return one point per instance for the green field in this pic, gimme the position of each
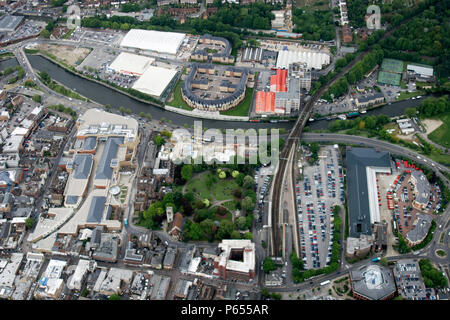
(241, 109)
(178, 101)
(442, 134)
(223, 190)
(199, 188)
(389, 78)
(407, 95)
(392, 65)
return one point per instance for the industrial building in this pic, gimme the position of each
(156, 81)
(284, 95)
(153, 41)
(372, 282)
(265, 102)
(252, 54)
(236, 260)
(422, 71)
(10, 23)
(133, 64)
(316, 60)
(362, 166)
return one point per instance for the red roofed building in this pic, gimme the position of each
(176, 226)
(278, 81)
(265, 102)
(347, 34)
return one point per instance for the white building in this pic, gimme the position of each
(76, 281)
(316, 60)
(155, 81)
(128, 63)
(155, 41)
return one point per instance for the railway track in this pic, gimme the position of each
(292, 142)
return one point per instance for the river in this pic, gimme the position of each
(104, 95)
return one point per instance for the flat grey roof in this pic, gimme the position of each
(71, 199)
(82, 164)
(373, 282)
(423, 187)
(104, 169)
(89, 143)
(421, 228)
(96, 209)
(358, 159)
(10, 23)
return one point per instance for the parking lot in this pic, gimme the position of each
(262, 189)
(29, 28)
(84, 35)
(317, 194)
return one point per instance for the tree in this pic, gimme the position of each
(247, 203)
(248, 236)
(226, 227)
(186, 172)
(410, 112)
(207, 226)
(264, 292)
(114, 297)
(122, 110)
(241, 223)
(222, 174)
(195, 232)
(37, 98)
(235, 235)
(108, 107)
(45, 33)
(29, 222)
(268, 265)
(240, 179)
(159, 141)
(248, 182)
(235, 173)
(206, 203)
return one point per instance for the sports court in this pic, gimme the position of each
(389, 78)
(392, 65)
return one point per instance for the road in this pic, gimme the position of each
(382, 145)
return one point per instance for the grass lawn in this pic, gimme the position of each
(406, 95)
(223, 189)
(177, 100)
(199, 188)
(442, 134)
(241, 109)
(230, 205)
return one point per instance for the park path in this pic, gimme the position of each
(194, 177)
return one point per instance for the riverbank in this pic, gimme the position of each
(194, 113)
(81, 75)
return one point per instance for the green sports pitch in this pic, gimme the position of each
(392, 65)
(389, 78)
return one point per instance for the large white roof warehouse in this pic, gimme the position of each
(154, 80)
(131, 63)
(314, 60)
(162, 42)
